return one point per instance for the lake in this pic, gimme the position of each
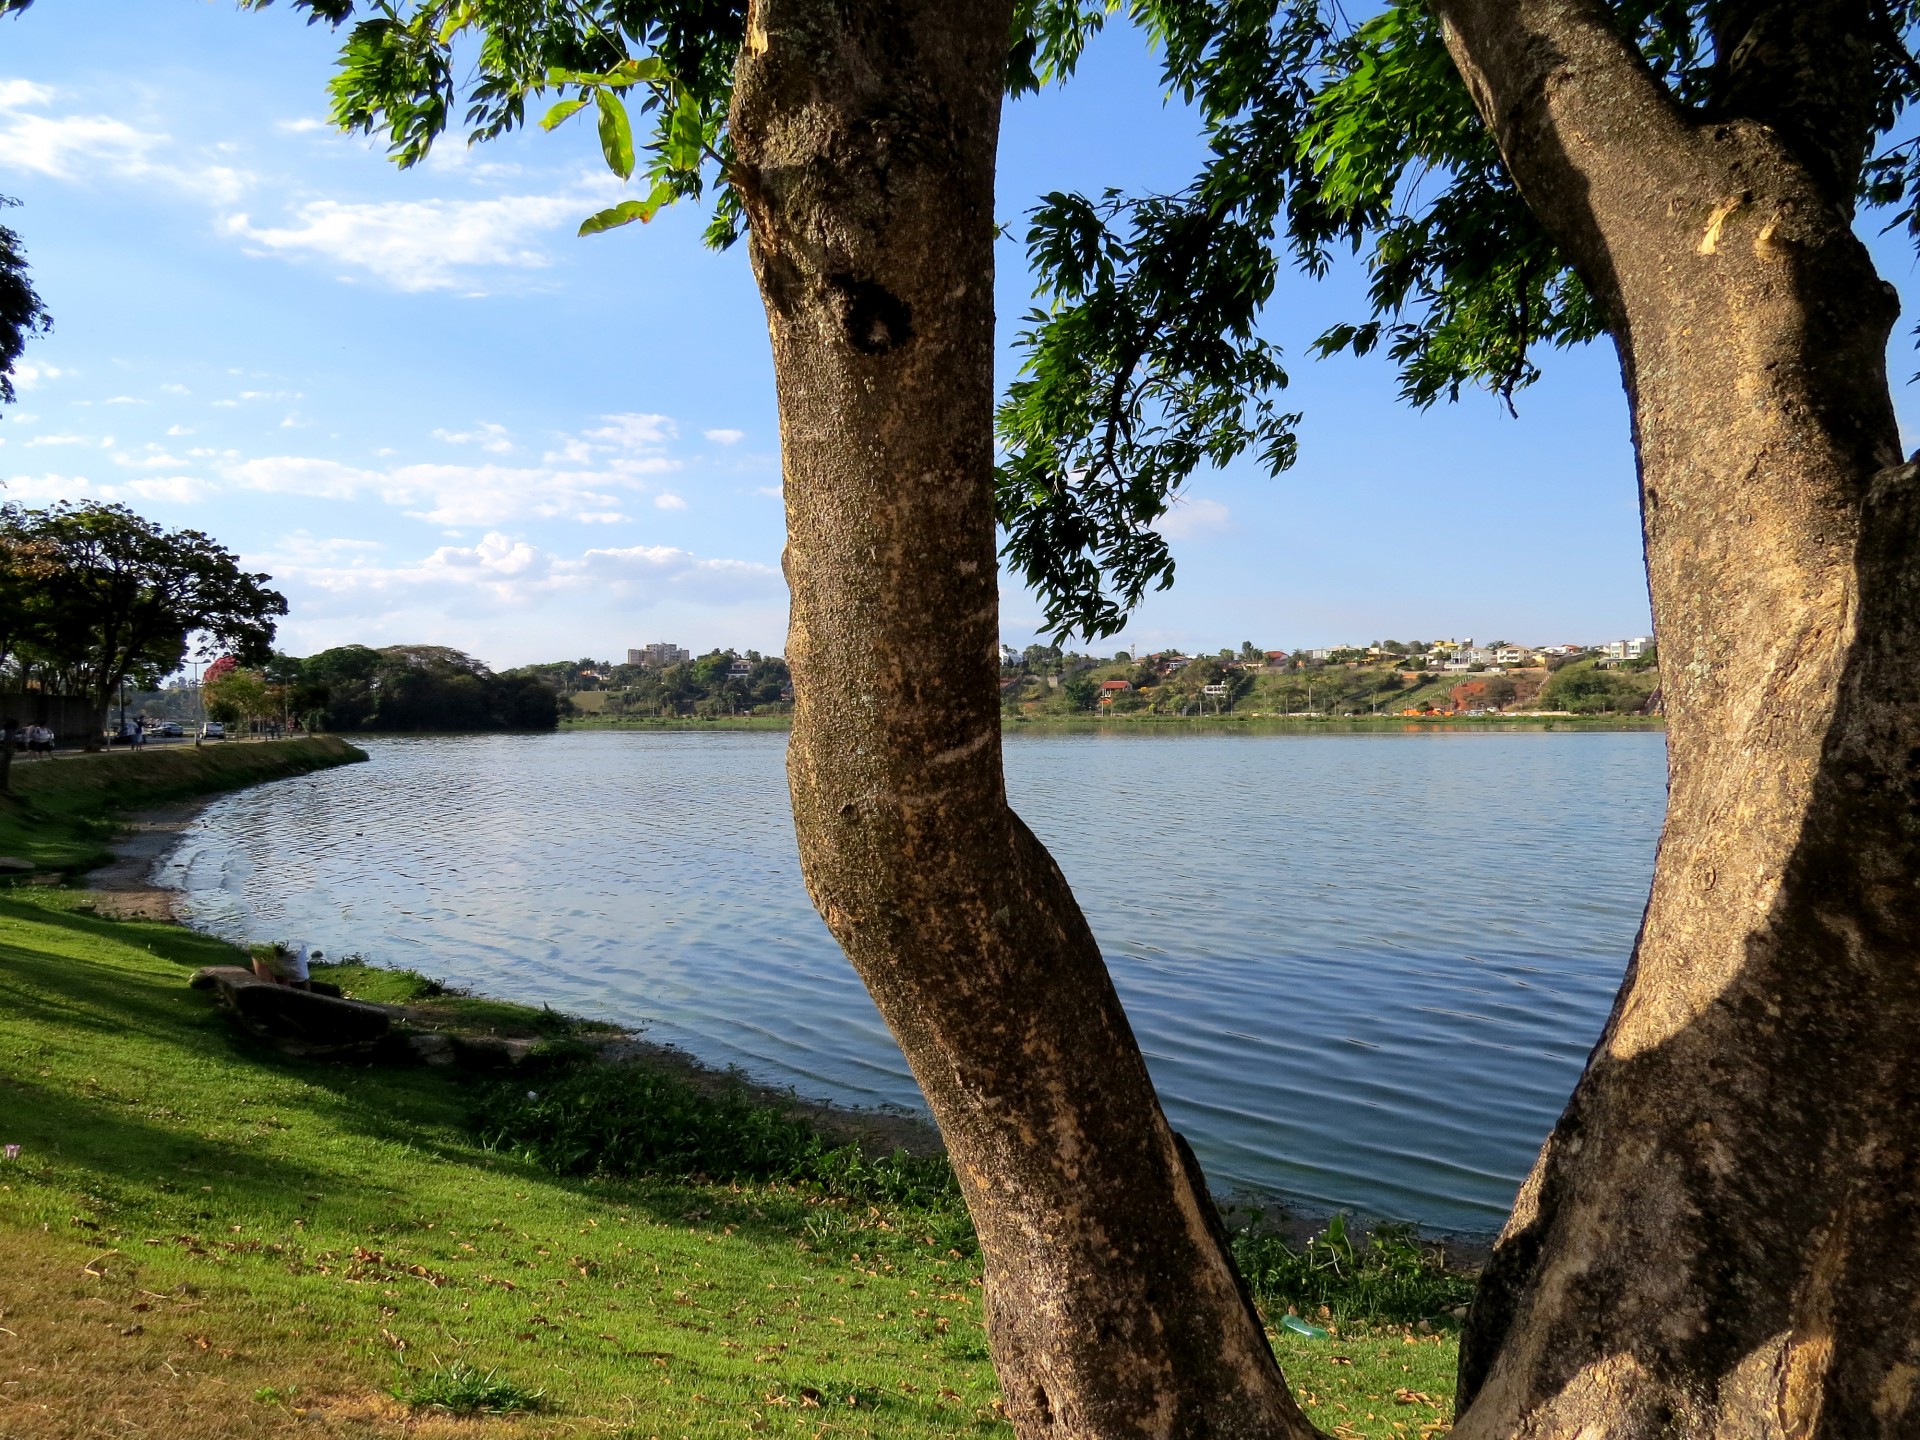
(1365, 968)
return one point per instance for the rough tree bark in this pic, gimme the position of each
(865, 132)
(1719, 1238)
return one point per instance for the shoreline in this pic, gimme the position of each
(1332, 724)
(125, 890)
(149, 836)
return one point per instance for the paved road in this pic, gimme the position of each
(68, 752)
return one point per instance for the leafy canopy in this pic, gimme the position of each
(21, 311)
(1145, 357)
(115, 597)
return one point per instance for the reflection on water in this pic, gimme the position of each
(1365, 969)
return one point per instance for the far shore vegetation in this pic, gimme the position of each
(1389, 680)
(201, 1227)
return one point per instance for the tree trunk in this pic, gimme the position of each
(1719, 1238)
(865, 132)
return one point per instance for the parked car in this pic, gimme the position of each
(213, 730)
(171, 729)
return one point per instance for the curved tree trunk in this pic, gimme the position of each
(1720, 1238)
(865, 133)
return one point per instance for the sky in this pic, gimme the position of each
(435, 415)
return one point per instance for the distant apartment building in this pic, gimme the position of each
(658, 657)
(740, 669)
(1631, 649)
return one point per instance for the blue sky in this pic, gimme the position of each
(436, 416)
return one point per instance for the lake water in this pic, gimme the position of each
(1365, 968)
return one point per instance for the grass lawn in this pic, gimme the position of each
(62, 814)
(205, 1239)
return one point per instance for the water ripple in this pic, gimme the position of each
(1366, 969)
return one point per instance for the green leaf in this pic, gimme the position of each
(632, 72)
(616, 135)
(686, 136)
(628, 211)
(627, 72)
(565, 110)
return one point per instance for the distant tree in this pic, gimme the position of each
(127, 598)
(1080, 692)
(1588, 690)
(423, 687)
(1123, 657)
(235, 694)
(1248, 651)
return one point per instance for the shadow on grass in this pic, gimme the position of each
(92, 980)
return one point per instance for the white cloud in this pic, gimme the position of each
(512, 572)
(669, 502)
(302, 549)
(174, 489)
(126, 400)
(175, 389)
(69, 440)
(1188, 518)
(419, 244)
(726, 437)
(154, 459)
(18, 94)
(300, 475)
(42, 489)
(27, 375)
(634, 432)
(178, 430)
(496, 439)
(455, 495)
(89, 147)
(305, 125)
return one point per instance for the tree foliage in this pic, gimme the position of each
(1146, 357)
(21, 312)
(415, 687)
(111, 596)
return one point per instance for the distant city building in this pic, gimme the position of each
(658, 657)
(1631, 649)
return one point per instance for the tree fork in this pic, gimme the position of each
(1719, 1238)
(865, 134)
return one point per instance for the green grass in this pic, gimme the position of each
(63, 812)
(204, 1229)
(459, 1389)
(445, 1007)
(1389, 1279)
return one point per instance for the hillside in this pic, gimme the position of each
(1211, 685)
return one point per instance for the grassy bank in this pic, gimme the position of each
(201, 1229)
(64, 815)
